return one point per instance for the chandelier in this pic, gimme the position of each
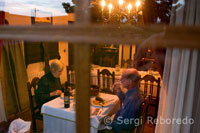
(120, 11)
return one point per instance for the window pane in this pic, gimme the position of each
(135, 12)
(31, 12)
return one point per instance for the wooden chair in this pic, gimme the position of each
(143, 116)
(71, 76)
(35, 111)
(107, 79)
(149, 85)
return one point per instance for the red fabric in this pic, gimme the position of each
(2, 17)
(2, 22)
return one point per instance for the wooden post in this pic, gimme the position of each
(82, 71)
(82, 74)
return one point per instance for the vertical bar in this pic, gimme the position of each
(82, 56)
(120, 56)
(82, 74)
(82, 12)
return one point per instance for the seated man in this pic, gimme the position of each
(49, 86)
(127, 117)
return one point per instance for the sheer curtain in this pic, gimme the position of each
(179, 98)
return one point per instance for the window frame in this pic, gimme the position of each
(82, 33)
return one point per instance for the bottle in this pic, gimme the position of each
(66, 97)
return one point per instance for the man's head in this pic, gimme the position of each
(56, 68)
(130, 78)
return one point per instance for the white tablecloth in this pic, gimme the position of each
(118, 72)
(58, 119)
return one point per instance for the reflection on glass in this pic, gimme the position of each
(131, 12)
(30, 12)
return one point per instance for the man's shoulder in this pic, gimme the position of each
(135, 98)
(135, 95)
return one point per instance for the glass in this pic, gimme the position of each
(117, 68)
(32, 12)
(116, 87)
(94, 90)
(150, 71)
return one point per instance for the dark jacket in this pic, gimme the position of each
(48, 83)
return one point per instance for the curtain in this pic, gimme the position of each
(2, 110)
(2, 22)
(179, 98)
(196, 103)
(15, 93)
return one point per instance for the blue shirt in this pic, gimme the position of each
(126, 117)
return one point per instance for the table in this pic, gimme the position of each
(118, 71)
(58, 119)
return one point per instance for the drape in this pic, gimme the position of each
(2, 21)
(2, 110)
(15, 93)
(179, 98)
(196, 103)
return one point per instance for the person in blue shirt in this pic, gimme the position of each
(127, 118)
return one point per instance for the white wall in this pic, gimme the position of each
(126, 52)
(63, 51)
(37, 69)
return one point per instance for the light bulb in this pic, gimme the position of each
(138, 3)
(110, 7)
(129, 8)
(121, 2)
(103, 3)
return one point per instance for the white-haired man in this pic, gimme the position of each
(128, 114)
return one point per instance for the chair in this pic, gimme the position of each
(105, 79)
(149, 86)
(35, 111)
(143, 115)
(71, 76)
(141, 119)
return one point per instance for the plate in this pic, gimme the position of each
(96, 103)
(62, 96)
